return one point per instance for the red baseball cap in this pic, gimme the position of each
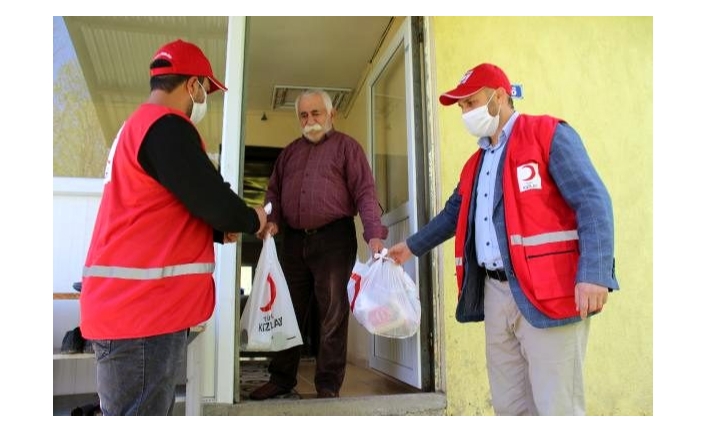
(186, 59)
(483, 75)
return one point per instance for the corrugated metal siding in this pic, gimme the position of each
(115, 53)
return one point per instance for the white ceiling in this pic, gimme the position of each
(308, 51)
(114, 55)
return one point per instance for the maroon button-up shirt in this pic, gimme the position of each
(313, 184)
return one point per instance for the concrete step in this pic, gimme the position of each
(421, 404)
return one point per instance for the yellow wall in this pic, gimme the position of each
(281, 128)
(595, 73)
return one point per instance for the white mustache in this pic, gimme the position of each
(312, 128)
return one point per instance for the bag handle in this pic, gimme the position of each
(381, 255)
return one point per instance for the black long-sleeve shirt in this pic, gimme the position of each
(171, 153)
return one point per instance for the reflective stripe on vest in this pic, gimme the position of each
(545, 238)
(149, 273)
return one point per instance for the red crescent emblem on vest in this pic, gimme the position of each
(532, 172)
(273, 294)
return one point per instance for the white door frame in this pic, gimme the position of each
(403, 358)
(219, 365)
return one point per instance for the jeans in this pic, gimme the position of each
(138, 376)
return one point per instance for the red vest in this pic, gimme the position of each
(541, 227)
(150, 262)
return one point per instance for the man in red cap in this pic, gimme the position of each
(533, 227)
(148, 273)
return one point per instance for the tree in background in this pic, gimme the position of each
(80, 147)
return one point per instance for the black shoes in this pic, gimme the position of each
(268, 390)
(326, 393)
(272, 390)
(73, 342)
(87, 410)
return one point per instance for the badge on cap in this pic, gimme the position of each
(162, 54)
(465, 77)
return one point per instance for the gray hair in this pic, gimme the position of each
(311, 92)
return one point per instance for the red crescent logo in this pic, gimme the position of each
(356, 278)
(273, 294)
(532, 172)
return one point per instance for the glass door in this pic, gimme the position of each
(393, 159)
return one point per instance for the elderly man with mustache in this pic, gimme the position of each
(320, 182)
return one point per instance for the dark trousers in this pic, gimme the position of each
(317, 267)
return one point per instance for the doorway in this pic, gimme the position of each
(366, 109)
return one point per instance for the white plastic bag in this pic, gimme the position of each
(268, 322)
(384, 299)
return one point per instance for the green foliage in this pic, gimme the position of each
(80, 147)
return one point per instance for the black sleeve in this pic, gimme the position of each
(172, 154)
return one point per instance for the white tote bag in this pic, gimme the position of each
(384, 299)
(268, 322)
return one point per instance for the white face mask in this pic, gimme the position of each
(198, 111)
(479, 122)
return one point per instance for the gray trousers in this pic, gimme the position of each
(138, 376)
